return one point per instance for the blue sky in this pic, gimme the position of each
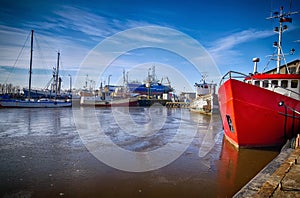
(230, 32)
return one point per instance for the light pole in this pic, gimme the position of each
(70, 83)
(108, 81)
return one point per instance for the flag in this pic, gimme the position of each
(283, 19)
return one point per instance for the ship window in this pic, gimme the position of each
(294, 83)
(284, 83)
(256, 83)
(265, 83)
(229, 122)
(292, 70)
(274, 83)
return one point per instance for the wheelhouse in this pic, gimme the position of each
(288, 85)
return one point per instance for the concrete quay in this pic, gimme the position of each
(280, 178)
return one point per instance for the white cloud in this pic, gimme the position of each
(225, 51)
(74, 32)
(45, 49)
(92, 24)
(235, 39)
(83, 21)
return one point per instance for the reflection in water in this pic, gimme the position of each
(19, 122)
(237, 167)
(43, 155)
(28, 122)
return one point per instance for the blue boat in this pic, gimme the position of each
(152, 85)
(153, 89)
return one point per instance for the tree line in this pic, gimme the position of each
(9, 89)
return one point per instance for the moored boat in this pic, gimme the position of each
(263, 109)
(99, 102)
(152, 86)
(152, 91)
(41, 103)
(206, 101)
(29, 102)
(119, 96)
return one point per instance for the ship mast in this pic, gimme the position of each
(30, 64)
(56, 75)
(279, 49)
(283, 17)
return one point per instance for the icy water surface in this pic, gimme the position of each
(108, 152)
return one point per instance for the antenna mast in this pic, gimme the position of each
(283, 17)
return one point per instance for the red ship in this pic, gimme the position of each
(263, 109)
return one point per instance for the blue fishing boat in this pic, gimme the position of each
(152, 90)
(151, 86)
(149, 89)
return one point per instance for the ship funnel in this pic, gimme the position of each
(255, 60)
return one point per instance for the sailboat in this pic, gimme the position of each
(263, 110)
(50, 90)
(32, 103)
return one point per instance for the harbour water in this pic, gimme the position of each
(47, 153)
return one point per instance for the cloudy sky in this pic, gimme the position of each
(182, 39)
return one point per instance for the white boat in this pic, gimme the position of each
(108, 99)
(42, 103)
(31, 103)
(206, 101)
(97, 101)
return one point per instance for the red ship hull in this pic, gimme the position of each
(252, 117)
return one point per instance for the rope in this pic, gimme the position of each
(39, 51)
(14, 65)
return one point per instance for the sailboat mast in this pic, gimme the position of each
(56, 75)
(30, 64)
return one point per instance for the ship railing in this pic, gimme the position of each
(234, 75)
